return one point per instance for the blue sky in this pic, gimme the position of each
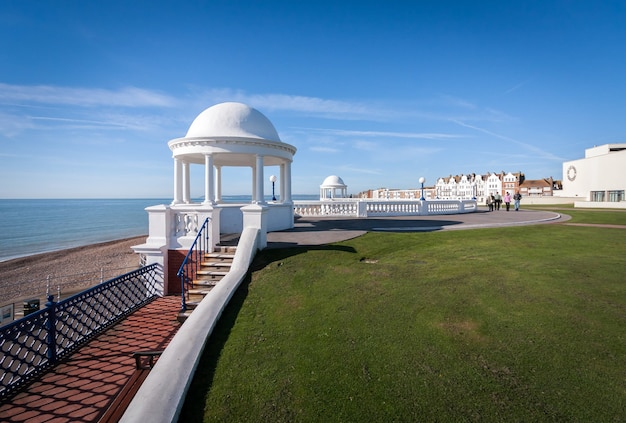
(377, 92)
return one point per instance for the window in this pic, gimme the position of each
(597, 196)
(616, 196)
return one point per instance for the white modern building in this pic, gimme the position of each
(598, 179)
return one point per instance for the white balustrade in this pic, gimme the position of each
(381, 208)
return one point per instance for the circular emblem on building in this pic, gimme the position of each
(571, 173)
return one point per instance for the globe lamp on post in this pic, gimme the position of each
(273, 180)
(422, 180)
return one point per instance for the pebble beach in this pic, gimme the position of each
(66, 271)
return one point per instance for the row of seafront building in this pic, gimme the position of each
(473, 186)
(597, 180)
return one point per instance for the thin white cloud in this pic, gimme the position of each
(451, 100)
(84, 97)
(123, 122)
(402, 154)
(308, 104)
(443, 108)
(79, 123)
(366, 170)
(449, 107)
(335, 109)
(516, 87)
(538, 151)
(367, 145)
(388, 134)
(321, 149)
(11, 125)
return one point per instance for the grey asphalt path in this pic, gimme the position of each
(326, 230)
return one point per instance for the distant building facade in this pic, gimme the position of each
(472, 186)
(397, 194)
(458, 187)
(538, 187)
(479, 186)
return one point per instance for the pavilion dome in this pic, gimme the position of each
(333, 181)
(232, 120)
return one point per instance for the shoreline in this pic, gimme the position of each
(66, 270)
(72, 246)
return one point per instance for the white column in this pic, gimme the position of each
(259, 180)
(178, 182)
(253, 187)
(186, 189)
(283, 185)
(209, 183)
(218, 184)
(286, 182)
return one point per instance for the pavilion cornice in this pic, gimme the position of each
(234, 142)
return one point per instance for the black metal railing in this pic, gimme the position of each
(192, 262)
(32, 345)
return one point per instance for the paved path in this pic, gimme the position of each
(325, 230)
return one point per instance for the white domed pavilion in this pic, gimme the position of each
(332, 186)
(230, 134)
(226, 134)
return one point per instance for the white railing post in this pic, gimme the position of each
(362, 209)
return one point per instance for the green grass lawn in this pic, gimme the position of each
(514, 324)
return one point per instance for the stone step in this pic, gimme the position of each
(213, 268)
(204, 275)
(192, 303)
(219, 253)
(225, 249)
(218, 264)
(200, 291)
(204, 284)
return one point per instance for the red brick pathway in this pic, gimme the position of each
(81, 388)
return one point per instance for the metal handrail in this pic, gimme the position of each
(32, 345)
(192, 261)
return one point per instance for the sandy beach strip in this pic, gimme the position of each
(66, 271)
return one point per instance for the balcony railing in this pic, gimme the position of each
(192, 262)
(32, 345)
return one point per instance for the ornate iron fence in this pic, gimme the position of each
(32, 345)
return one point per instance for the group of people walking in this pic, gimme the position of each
(494, 201)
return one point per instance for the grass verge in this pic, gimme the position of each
(512, 324)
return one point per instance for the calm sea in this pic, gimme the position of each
(30, 227)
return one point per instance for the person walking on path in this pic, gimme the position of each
(507, 201)
(498, 199)
(490, 202)
(516, 199)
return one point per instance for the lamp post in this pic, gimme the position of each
(422, 180)
(273, 180)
